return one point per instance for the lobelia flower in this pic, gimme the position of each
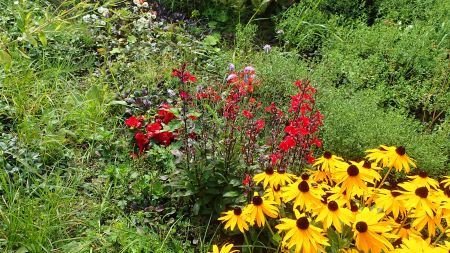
(247, 114)
(134, 122)
(141, 140)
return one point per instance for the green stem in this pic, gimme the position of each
(247, 244)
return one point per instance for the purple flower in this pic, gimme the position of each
(231, 67)
(249, 69)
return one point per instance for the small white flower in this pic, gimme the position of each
(267, 48)
(104, 11)
(86, 18)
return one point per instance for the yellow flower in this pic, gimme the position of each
(399, 159)
(328, 162)
(422, 219)
(334, 213)
(260, 207)
(267, 177)
(446, 182)
(300, 233)
(225, 249)
(370, 234)
(353, 177)
(415, 244)
(378, 155)
(422, 179)
(235, 217)
(306, 196)
(282, 178)
(274, 193)
(389, 202)
(419, 197)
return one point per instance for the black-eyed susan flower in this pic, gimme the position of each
(302, 234)
(415, 244)
(333, 213)
(379, 155)
(404, 229)
(227, 248)
(304, 195)
(422, 219)
(266, 177)
(399, 159)
(235, 217)
(274, 193)
(388, 201)
(259, 208)
(328, 162)
(419, 197)
(282, 178)
(446, 182)
(422, 179)
(351, 176)
(370, 234)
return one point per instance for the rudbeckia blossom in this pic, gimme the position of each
(370, 234)
(235, 217)
(379, 155)
(446, 182)
(353, 176)
(305, 197)
(332, 213)
(422, 179)
(328, 162)
(388, 201)
(260, 207)
(422, 219)
(419, 197)
(282, 178)
(302, 234)
(266, 177)
(415, 244)
(225, 249)
(399, 159)
(274, 193)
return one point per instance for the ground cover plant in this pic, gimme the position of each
(199, 126)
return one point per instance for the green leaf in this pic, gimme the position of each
(29, 38)
(132, 39)
(231, 194)
(211, 40)
(42, 38)
(5, 58)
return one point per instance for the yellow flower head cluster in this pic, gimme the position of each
(375, 213)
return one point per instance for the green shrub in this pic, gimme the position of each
(354, 122)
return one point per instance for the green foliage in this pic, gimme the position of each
(354, 122)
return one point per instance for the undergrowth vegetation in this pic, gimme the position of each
(130, 126)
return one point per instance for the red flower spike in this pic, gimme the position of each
(247, 180)
(247, 114)
(287, 144)
(133, 122)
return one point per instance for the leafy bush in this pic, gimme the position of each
(354, 122)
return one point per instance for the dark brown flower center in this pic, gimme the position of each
(407, 226)
(257, 200)
(447, 192)
(303, 223)
(352, 170)
(305, 176)
(422, 192)
(303, 186)
(281, 171)
(423, 174)
(332, 206)
(269, 171)
(353, 207)
(395, 194)
(327, 155)
(361, 226)
(237, 211)
(400, 150)
(367, 164)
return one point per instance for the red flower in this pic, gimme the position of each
(153, 128)
(193, 117)
(287, 144)
(316, 142)
(274, 158)
(291, 130)
(165, 116)
(141, 140)
(164, 138)
(260, 124)
(247, 114)
(310, 158)
(184, 95)
(184, 76)
(134, 122)
(247, 180)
